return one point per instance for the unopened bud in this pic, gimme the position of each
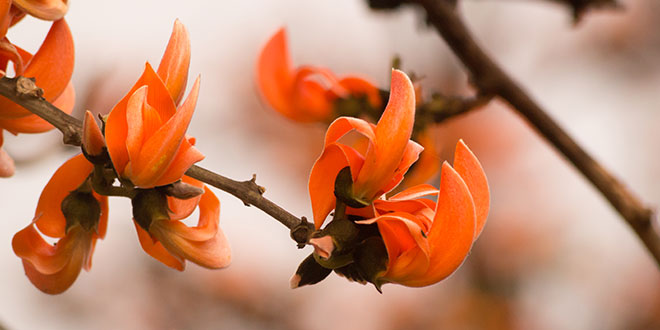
(93, 142)
(149, 205)
(182, 190)
(81, 208)
(309, 272)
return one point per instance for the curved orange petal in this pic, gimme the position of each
(204, 244)
(7, 167)
(342, 125)
(173, 68)
(428, 165)
(5, 17)
(410, 156)
(160, 149)
(417, 191)
(51, 66)
(392, 135)
(49, 10)
(68, 177)
(116, 127)
(453, 229)
(309, 101)
(185, 157)
(157, 251)
(135, 108)
(47, 259)
(322, 178)
(274, 74)
(470, 170)
(102, 226)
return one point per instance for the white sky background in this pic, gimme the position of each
(611, 109)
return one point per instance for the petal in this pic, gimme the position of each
(173, 68)
(392, 135)
(185, 157)
(160, 149)
(49, 10)
(157, 251)
(274, 74)
(51, 66)
(322, 178)
(470, 170)
(35, 124)
(343, 125)
(136, 106)
(428, 165)
(68, 177)
(416, 192)
(47, 259)
(6, 163)
(116, 127)
(309, 101)
(204, 244)
(453, 229)
(92, 138)
(410, 156)
(5, 17)
(358, 86)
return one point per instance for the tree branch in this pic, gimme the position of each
(490, 79)
(24, 92)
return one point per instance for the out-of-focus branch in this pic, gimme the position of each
(491, 79)
(25, 92)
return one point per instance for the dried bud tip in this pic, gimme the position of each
(92, 138)
(182, 190)
(323, 246)
(294, 281)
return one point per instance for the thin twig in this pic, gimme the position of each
(24, 92)
(491, 79)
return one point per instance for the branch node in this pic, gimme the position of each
(302, 232)
(27, 88)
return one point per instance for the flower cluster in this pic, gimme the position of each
(316, 94)
(51, 67)
(145, 148)
(407, 238)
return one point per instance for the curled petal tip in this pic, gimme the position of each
(173, 68)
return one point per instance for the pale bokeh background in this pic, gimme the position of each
(554, 254)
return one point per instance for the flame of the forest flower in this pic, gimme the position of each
(305, 94)
(146, 131)
(376, 170)
(53, 268)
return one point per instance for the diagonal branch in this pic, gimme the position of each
(491, 79)
(24, 92)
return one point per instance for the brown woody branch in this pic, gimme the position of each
(25, 92)
(491, 79)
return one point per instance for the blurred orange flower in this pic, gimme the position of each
(378, 168)
(305, 94)
(170, 241)
(425, 241)
(76, 216)
(51, 67)
(145, 131)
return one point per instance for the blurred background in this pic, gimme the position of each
(553, 255)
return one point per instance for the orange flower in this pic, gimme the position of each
(171, 242)
(49, 10)
(425, 241)
(76, 216)
(145, 131)
(380, 168)
(51, 67)
(305, 94)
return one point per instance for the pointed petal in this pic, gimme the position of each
(134, 134)
(160, 149)
(274, 74)
(410, 156)
(428, 165)
(173, 68)
(185, 157)
(67, 178)
(453, 229)
(49, 10)
(204, 244)
(392, 135)
(416, 192)
(51, 66)
(92, 138)
(157, 251)
(322, 178)
(468, 167)
(116, 127)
